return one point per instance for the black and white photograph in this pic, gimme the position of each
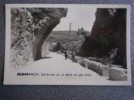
(72, 44)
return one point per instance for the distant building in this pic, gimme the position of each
(83, 32)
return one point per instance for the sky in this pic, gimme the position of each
(79, 17)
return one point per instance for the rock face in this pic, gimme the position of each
(22, 37)
(108, 35)
(30, 28)
(51, 17)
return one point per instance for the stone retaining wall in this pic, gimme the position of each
(113, 72)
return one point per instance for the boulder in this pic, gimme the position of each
(118, 74)
(95, 66)
(90, 65)
(104, 70)
(79, 60)
(86, 63)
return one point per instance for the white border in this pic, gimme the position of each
(68, 82)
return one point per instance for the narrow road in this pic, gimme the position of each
(56, 70)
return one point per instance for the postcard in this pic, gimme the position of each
(67, 44)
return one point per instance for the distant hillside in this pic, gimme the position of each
(64, 34)
(67, 40)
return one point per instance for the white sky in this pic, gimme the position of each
(80, 17)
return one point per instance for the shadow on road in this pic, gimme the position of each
(46, 57)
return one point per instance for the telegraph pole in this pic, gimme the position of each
(69, 35)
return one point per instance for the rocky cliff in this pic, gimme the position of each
(108, 36)
(48, 19)
(29, 29)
